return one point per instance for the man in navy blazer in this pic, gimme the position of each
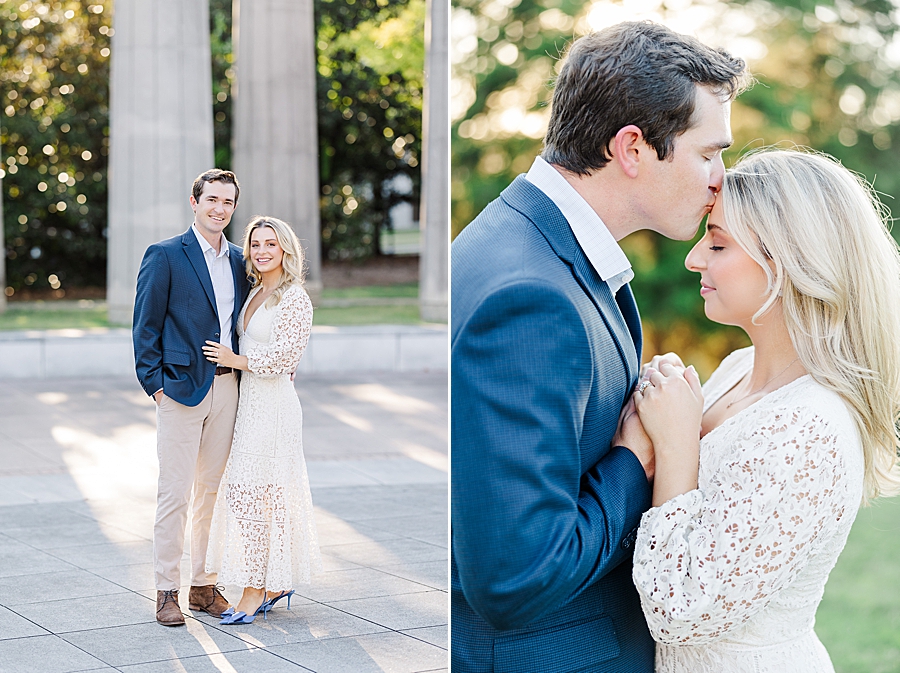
(190, 289)
(548, 487)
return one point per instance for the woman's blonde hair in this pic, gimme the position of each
(292, 263)
(837, 274)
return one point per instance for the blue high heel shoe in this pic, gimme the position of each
(288, 594)
(243, 617)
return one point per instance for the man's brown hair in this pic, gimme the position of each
(215, 175)
(639, 73)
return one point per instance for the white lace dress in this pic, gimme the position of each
(263, 533)
(730, 575)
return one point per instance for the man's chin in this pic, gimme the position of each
(687, 233)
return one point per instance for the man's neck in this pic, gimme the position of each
(604, 198)
(215, 240)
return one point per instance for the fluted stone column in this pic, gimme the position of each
(275, 137)
(435, 209)
(2, 252)
(161, 131)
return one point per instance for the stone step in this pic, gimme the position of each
(102, 351)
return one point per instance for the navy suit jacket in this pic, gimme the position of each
(544, 510)
(175, 314)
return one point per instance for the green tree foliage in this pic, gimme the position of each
(54, 127)
(223, 79)
(370, 56)
(827, 78)
(370, 63)
(54, 84)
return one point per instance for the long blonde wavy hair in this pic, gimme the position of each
(292, 263)
(837, 274)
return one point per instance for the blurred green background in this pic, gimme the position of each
(828, 77)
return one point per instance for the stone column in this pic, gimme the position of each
(435, 209)
(2, 251)
(161, 131)
(275, 136)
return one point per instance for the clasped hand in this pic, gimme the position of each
(671, 407)
(661, 425)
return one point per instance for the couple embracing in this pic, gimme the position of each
(610, 517)
(205, 312)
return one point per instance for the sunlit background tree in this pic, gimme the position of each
(54, 129)
(828, 78)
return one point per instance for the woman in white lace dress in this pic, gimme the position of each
(751, 513)
(263, 534)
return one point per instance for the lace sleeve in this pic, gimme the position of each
(290, 334)
(708, 560)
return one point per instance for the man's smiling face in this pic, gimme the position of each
(213, 211)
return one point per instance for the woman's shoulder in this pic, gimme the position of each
(808, 417)
(295, 295)
(733, 367)
(813, 400)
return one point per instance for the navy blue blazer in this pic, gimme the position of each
(544, 512)
(175, 314)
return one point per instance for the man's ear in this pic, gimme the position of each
(193, 203)
(627, 149)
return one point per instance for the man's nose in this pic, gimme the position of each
(717, 176)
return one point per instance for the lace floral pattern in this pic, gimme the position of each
(263, 533)
(730, 575)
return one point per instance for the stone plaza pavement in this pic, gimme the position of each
(77, 497)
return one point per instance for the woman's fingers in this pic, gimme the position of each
(690, 375)
(671, 358)
(211, 351)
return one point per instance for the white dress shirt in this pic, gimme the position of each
(598, 244)
(219, 265)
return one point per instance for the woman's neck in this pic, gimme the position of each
(270, 279)
(774, 354)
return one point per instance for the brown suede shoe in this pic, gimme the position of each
(167, 611)
(209, 599)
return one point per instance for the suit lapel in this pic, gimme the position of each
(537, 207)
(599, 292)
(629, 309)
(195, 256)
(238, 271)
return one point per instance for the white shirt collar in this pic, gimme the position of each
(596, 241)
(205, 245)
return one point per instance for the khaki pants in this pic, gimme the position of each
(192, 444)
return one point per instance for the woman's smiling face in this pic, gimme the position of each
(732, 284)
(265, 252)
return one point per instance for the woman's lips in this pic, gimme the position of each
(706, 289)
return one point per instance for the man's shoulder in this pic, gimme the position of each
(172, 243)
